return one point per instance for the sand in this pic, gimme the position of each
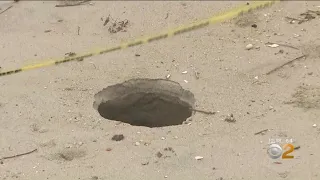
(51, 109)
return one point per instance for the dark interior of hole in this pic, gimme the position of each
(146, 109)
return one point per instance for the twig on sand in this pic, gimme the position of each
(261, 132)
(73, 4)
(18, 155)
(204, 112)
(167, 16)
(294, 19)
(284, 45)
(287, 63)
(6, 9)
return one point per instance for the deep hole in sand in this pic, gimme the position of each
(145, 102)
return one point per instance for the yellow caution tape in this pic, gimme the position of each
(173, 32)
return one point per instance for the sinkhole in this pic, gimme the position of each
(145, 102)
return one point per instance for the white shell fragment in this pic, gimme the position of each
(273, 45)
(198, 157)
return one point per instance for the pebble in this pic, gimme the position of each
(168, 76)
(145, 163)
(230, 118)
(163, 138)
(198, 157)
(249, 46)
(137, 144)
(314, 125)
(117, 137)
(159, 154)
(94, 178)
(185, 81)
(184, 72)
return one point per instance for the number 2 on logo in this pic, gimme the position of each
(290, 150)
